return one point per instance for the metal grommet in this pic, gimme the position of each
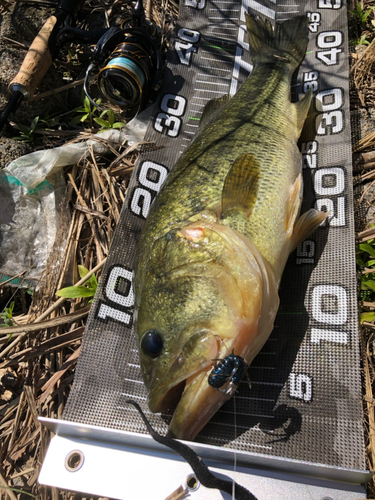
(192, 483)
(74, 460)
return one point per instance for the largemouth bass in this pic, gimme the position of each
(215, 243)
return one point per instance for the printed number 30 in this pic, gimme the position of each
(168, 121)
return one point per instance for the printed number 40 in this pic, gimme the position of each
(185, 47)
(330, 41)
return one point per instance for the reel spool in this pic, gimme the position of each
(129, 62)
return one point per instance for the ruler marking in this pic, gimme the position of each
(227, 10)
(210, 91)
(214, 76)
(133, 396)
(218, 69)
(219, 56)
(224, 23)
(212, 59)
(135, 381)
(212, 83)
(252, 4)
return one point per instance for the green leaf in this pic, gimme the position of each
(102, 123)
(82, 271)
(118, 125)
(367, 316)
(84, 117)
(76, 120)
(365, 247)
(111, 117)
(33, 124)
(93, 282)
(75, 292)
(24, 129)
(370, 263)
(368, 284)
(87, 104)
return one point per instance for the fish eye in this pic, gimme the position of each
(152, 343)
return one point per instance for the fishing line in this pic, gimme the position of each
(235, 435)
(201, 471)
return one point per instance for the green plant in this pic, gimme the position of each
(365, 258)
(27, 132)
(361, 13)
(50, 121)
(82, 291)
(110, 123)
(361, 41)
(7, 317)
(87, 112)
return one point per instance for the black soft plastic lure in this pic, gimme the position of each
(201, 471)
(231, 368)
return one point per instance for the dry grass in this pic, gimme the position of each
(362, 79)
(37, 363)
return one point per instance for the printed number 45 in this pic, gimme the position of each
(185, 47)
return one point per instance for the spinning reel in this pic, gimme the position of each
(127, 58)
(128, 61)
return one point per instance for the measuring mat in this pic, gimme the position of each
(304, 402)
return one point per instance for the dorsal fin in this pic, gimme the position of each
(303, 106)
(241, 185)
(211, 108)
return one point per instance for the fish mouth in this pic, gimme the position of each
(195, 357)
(197, 405)
(194, 402)
(169, 400)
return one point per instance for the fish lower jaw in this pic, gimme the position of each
(169, 400)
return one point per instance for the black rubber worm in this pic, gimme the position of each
(202, 473)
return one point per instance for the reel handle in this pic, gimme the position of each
(36, 63)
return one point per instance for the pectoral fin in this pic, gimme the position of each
(241, 185)
(306, 224)
(212, 107)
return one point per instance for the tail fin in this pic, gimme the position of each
(288, 41)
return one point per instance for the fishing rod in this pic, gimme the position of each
(127, 58)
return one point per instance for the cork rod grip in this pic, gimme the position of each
(37, 61)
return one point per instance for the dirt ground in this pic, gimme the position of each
(37, 363)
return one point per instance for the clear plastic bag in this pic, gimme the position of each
(31, 191)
